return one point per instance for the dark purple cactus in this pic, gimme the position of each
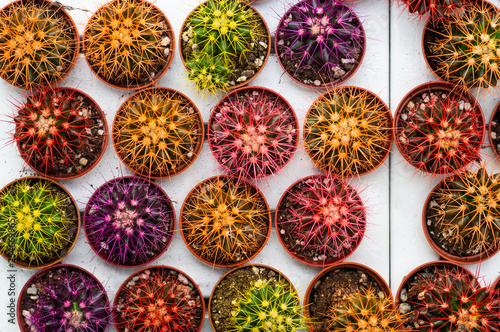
(129, 221)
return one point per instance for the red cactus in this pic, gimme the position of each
(436, 9)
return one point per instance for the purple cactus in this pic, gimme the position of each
(64, 298)
(129, 221)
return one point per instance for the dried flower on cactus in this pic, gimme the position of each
(320, 38)
(253, 133)
(321, 219)
(38, 44)
(38, 222)
(159, 299)
(129, 221)
(347, 131)
(158, 132)
(128, 43)
(439, 131)
(65, 298)
(225, 221)
(437, 10)
(463, 214)
(60, 132)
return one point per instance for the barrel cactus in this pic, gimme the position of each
(436, 9)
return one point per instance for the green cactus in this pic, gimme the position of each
(208, 73)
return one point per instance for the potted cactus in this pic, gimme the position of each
(320, 43)
(347, 131)
(128, 44)
(225, 221)
(335, 298)
(61, 133)
(63, 298)
(437, 10)
(439, 128)
(255, 298)
(224, 45)
(156, 299)
(129, 221)
(320, 220)
(494, 130)
(158, 132)
(253, 132)
(461, 219)
(475, 33)
(39, 222)
(39, 44)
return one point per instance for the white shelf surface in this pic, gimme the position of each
(395, 243)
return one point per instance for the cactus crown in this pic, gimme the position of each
(225, 220)
(466, 213)
(463, 50)
(129, 221)
(68, 299)
(438, 10)
(37, 221)
(323, 35)
(347, 131)
(160, 299)
(38, 44)
(253, 133)
(440, 132)
(158, 132)
(267, 306)
(128, 42)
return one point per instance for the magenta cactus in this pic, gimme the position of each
(64, 298)
(129, 221)
(253, 132)
(321, 219)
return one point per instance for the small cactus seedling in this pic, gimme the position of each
(437, 10)
(225, 221)
(129, 221)
(364, 311)
(267, 306)
(208, 73)
(321, 219)
(440, 132)
(158, 132)
(322, 38)
(60, 132)
(159, 299)
(64, 298)
(463, 50)
(128, 43)
(463, 214)
(347, 131)
(38, 222)
(253, 133)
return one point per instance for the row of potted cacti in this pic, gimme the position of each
(436, 296)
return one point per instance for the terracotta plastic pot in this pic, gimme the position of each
(389, 134)
(197, 148)
(449, 88)
(159, 74)
(40, 274)
(237, 85)
(76, 37)
(158, 254)
(299, 258)
(496, 284)
(473, 259)
(73, 175)
(139, 272)
(347, 266)
(280, 276)
(490, 130)
(78, 222)
(335, 82)
(215, 264)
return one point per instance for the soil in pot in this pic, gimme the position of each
(320, 220)
(63, 297)
(129, 221)
(159, 298)
(253, 132)
(39, 222)
(320, 43)
(60, 133)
